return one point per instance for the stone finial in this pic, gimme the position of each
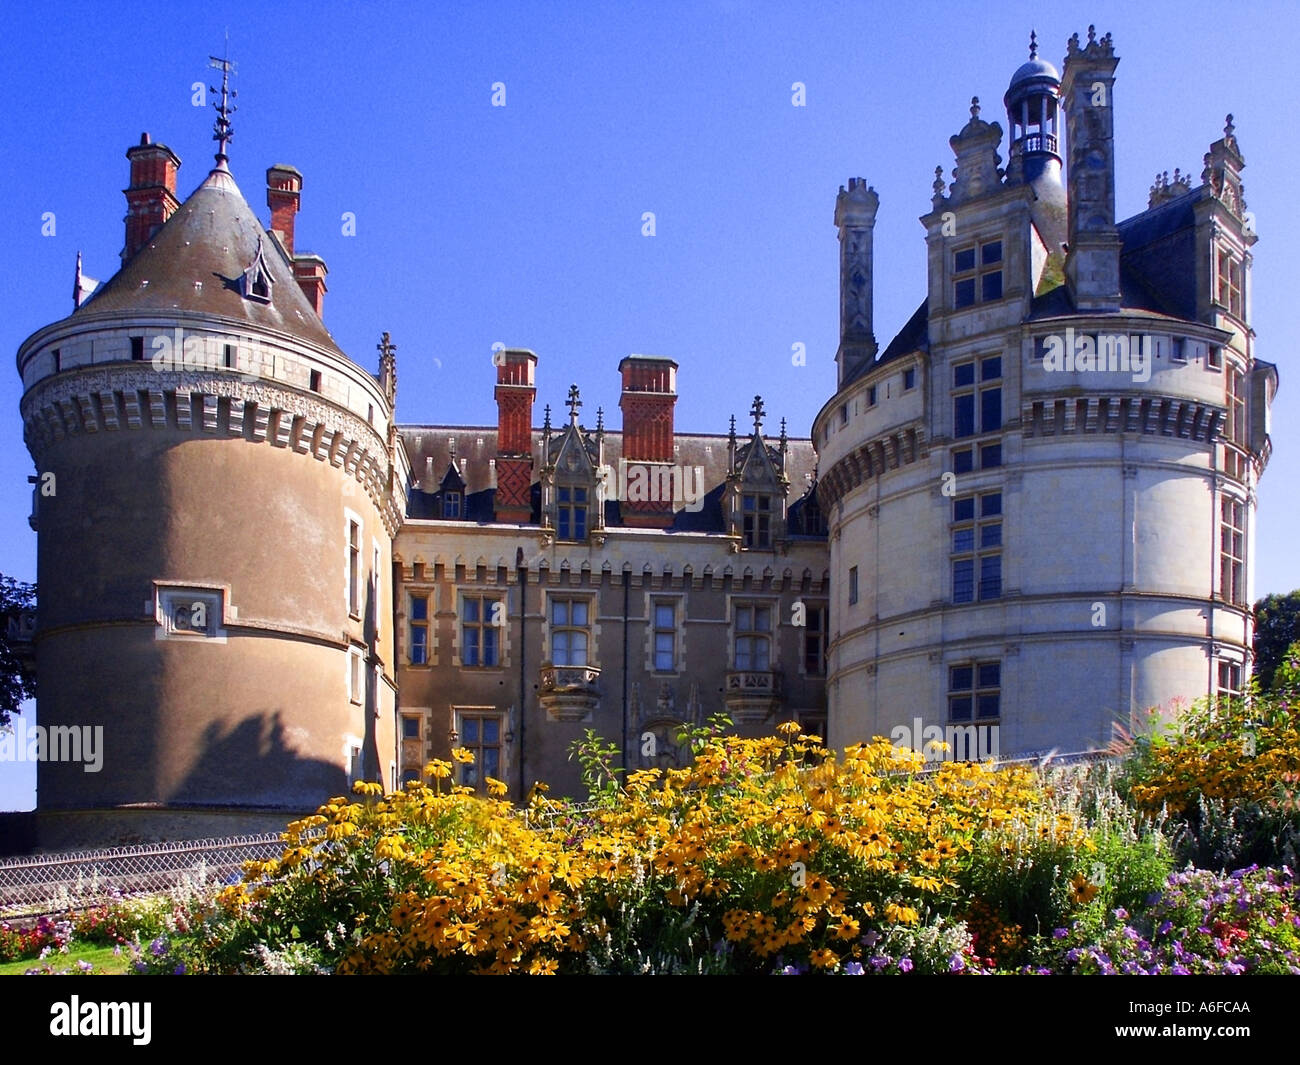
(1033, 44)
(974, 107)
(600, 419)
(574, 403)
(756, 412)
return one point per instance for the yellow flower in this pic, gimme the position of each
(497, 788)
(543, 967)
(824, 959)
(462, 755)
(438, 770)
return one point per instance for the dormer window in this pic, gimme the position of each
(451, 505)
(256, 282)
(1230, 283)
(571, 513)
(756, 529)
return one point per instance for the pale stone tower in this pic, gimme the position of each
(215, 563)
(1041, 494)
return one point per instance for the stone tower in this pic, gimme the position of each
(215, 564)
(1041, 494)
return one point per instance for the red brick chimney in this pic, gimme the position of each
(309, 271)
(151, 196)
(649, 396)
(515, 391)
(283, 195)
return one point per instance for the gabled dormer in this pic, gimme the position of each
(573, 475)
(757, 486)
(256, 281)
(449, 502)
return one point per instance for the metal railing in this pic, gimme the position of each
(45, 882)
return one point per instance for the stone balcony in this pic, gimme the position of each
(753, 695)
(569, 693)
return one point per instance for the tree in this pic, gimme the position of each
(17, 667)
(1286, 677)
(1277, 627)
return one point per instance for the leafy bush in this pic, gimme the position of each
(764, 854)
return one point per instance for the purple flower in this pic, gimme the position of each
(870, 939)
(790, 970)
(905, 965)
(1121, 913)
(1060, 933)
(158, 947)
(956, 963)
(854, 968)
(1165, 927)
(1234, 968)
(84, 966)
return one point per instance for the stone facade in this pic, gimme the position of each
(1019, 537)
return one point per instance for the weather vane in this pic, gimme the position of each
(222, 130)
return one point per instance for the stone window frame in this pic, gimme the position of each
(170, 597)
(485, 595)
(427, 593)
(976, 524)
(976, 688)
(823, 608)
(676, 602)
(549, 628)
(978, 273)
(755, 603)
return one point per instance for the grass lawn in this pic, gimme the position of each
(102, 958)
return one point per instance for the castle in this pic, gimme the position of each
(1031, 512)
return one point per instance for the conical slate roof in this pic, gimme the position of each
(196, 262)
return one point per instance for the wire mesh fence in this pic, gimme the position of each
(45, 882)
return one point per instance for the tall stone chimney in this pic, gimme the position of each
(855, 217)
(1088, 89)
(515, 391)
(648, 401)
(151, 196)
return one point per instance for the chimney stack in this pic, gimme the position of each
(515, 391)
(1088, 91)
(649, 396)
(855, 217)
(283, 196)
(151, 196)
(309, 271)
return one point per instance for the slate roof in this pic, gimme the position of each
(210, 240)
(477, 445)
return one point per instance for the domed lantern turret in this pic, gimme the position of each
(1033, 112)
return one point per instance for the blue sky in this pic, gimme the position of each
(523, 224)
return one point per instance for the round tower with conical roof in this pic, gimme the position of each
(214, 563)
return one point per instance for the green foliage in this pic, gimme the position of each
(17, 673)
(600, 771)
(1277, 627)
